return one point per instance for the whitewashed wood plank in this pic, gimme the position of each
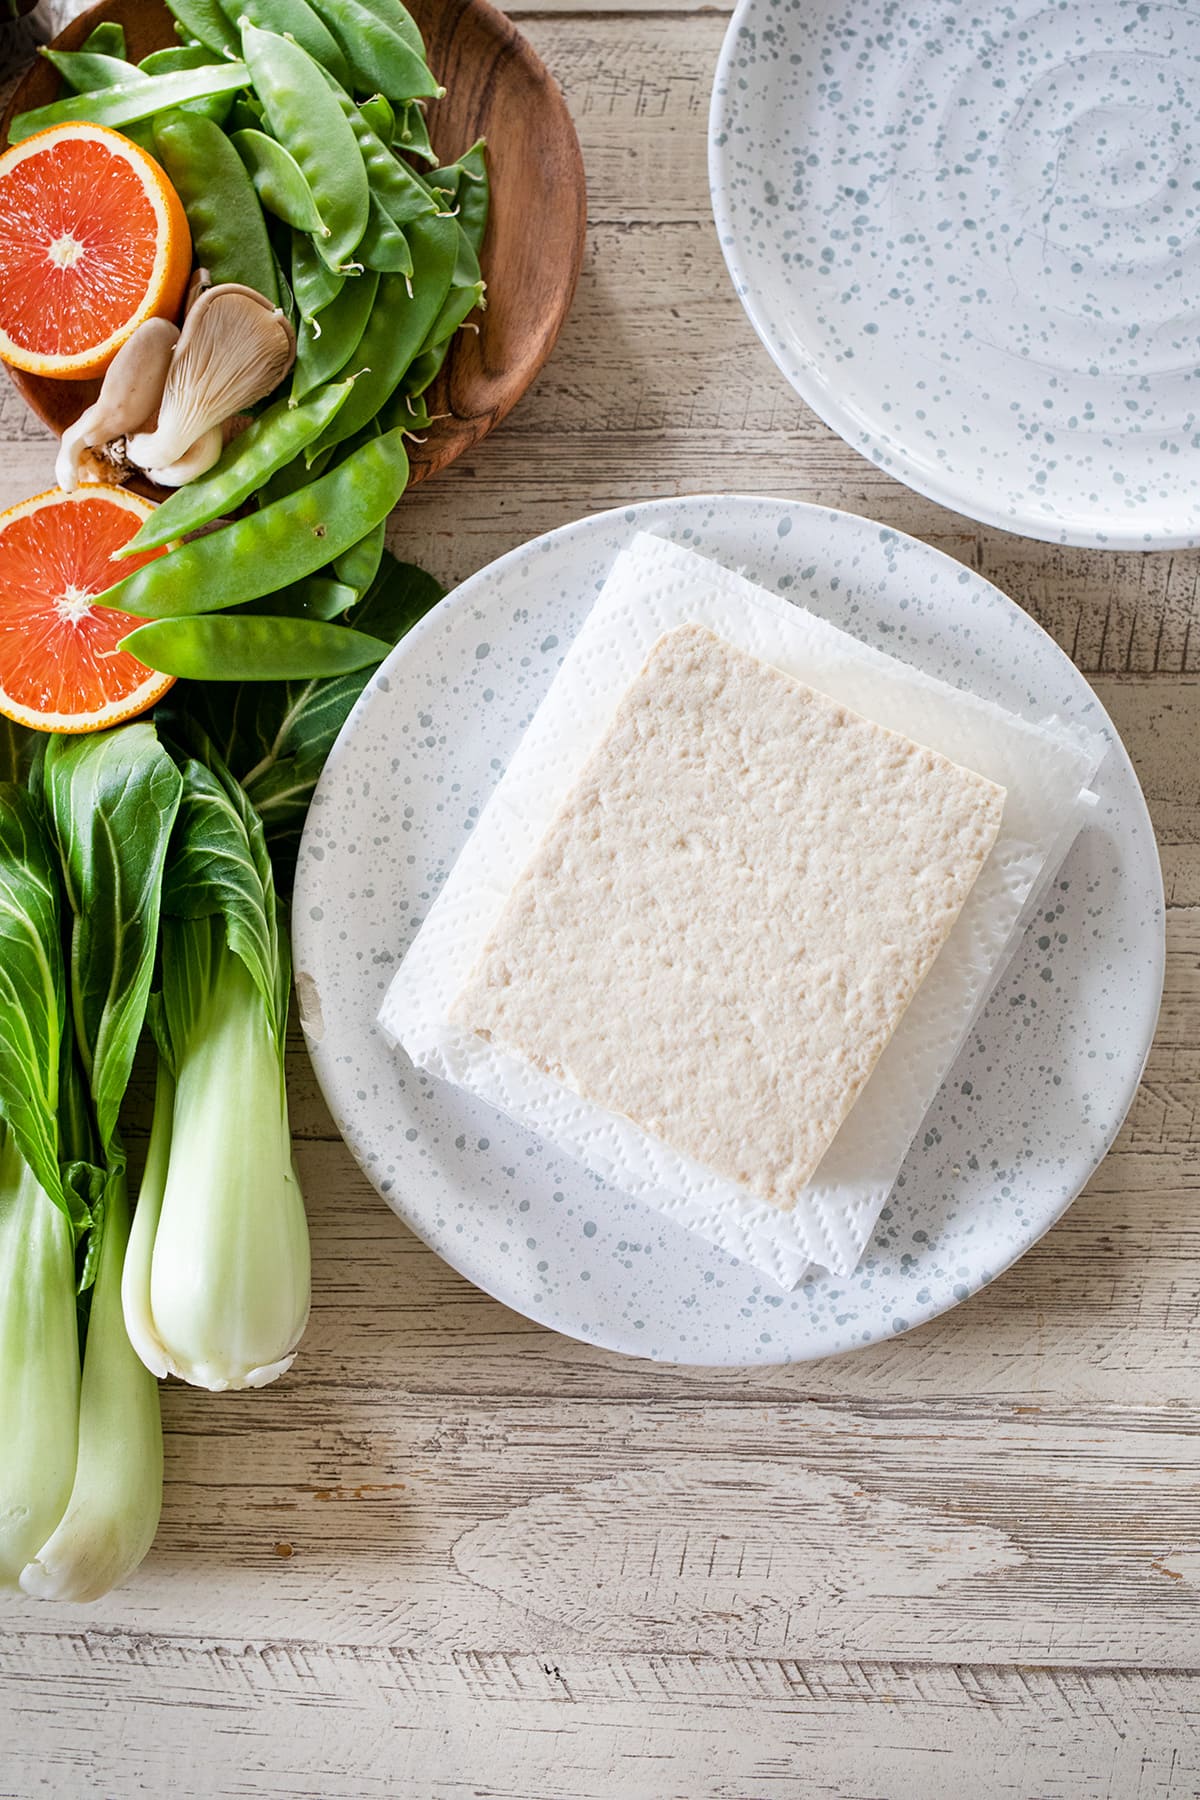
(373, 1555)
(659, 385)
(336, 1721)
(347, 1510)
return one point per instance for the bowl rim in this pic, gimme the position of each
(466, 430)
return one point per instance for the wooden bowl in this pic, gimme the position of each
(496, 88)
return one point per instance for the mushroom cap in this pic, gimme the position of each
(234, 349)
(128, 399)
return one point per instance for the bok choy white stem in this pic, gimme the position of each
(80, 1449)
(116, 1496)
(39, 1362)
(216, 1286)
(41, 1217)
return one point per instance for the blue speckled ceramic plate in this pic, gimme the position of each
(968, 237)
(1031, 1105)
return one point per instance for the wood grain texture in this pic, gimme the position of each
(454, 1555)
(497, 89)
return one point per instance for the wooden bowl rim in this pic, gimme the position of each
(460, 432)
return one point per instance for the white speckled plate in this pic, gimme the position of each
(1031, 1105)
(967, 234)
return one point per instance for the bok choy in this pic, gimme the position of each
(216, 1286)
(40, 1220)
(82, 1496)
(125, 869)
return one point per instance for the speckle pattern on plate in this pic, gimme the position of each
(968, 237)
(1030, 1107)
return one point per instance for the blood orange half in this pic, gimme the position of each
(93, 240)
(60, 669)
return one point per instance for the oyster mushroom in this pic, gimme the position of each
(235, 347)
(202, 455)
(132, 388)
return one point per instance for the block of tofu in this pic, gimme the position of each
(722, 927)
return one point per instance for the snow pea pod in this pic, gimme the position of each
(253, 648)
(138, 97)
(399, 190)
(407, 410)
(278, 180)
(466, 188)
(229, 233)
(287, 299)
(204, 21)
(381, 59)
(456, 308)
(470, 166)
(246, 113)
(357, 567)
(288, 480)
(316, 597)
(379, 116)
(91, 71)
(324, 347)
(178, 56)
(467, 272)
(295, 19)
(264, 551)
(400, 323)
(189, 56)
(141, 134)
(474, 194)
(398, 18)
(88, 70)
(412, 133)
(107, 39)
(424, 370)
(384, 246)
(314, 283)
(304, 114)
(275, 437)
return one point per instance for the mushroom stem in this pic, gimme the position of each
(202, 455)
(132, 388)
(235, 348)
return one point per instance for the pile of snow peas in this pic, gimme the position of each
(294, 133)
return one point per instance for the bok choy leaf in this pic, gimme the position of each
(32, 995)
(274, 736)
(111, 801)
(40, 1217)
(216, 1286)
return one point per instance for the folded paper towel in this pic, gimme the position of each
(653, 587)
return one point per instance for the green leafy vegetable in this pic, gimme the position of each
(275, 736)
(115, 1498)
(81, 1492)
(32, 995)
(216, 1284)
(16, 749)
(112, 799)
(108, 39)
(39, 1363)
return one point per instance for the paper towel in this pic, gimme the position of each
(1045, 768)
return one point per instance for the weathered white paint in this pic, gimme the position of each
(453, 1555)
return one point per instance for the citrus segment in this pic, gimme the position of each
(93, 240)
(60, 668)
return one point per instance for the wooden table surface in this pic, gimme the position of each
(452, 1554)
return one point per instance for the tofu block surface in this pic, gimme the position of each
(724, 924)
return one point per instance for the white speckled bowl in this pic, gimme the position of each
(1031, 1105)
(968, 237)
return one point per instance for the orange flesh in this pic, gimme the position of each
(77, 246)
(57, 652)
